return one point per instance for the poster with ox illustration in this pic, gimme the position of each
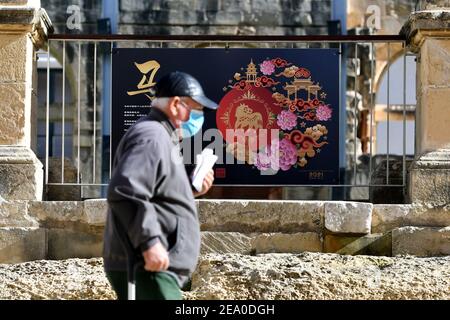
(278, 118)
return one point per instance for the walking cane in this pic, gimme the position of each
(132, 265)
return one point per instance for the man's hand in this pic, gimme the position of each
(207, 184)
(156, 258)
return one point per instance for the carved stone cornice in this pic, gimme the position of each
(438, 159)
(22, 19)
(423, 24)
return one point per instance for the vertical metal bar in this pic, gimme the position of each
(95, 113)
(63, 116)
(388, 111)
(372, 107)
(404, 115)
(47, 113)
(356, 113)
(340, 92)
(110, 108)
(79, 113)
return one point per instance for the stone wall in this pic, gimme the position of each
(262, 17)
(34, 230)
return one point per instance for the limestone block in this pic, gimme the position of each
(421, 242)
(238, 5)
(389, 217)
(225, 18)
(28, 3)
(435, 62)
(13, 66)
(12, 113)
(371, 244)
(65, 244)
(430, 186)
(287, 243)
(14, 214)
(225, 242)
(56, 213)
(348, 217)
(22, 244)
(261, 216)
(433, 121)
(21, 174)
(95, 211)
(434, 4)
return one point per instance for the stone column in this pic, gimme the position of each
(23, 29)
(428, 34)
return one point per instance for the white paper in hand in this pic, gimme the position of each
(205, 162)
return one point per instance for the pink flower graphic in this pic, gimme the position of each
(267, 67)
(323, 113)
(287, 120)
(279, 155)
(288, 154)
(269, 158)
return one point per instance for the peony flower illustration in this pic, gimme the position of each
(279, 155)
(267, 67)
(287, 120)
(323, 113)
(288, 154)
(269, 158)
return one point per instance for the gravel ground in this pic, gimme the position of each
(235, 276)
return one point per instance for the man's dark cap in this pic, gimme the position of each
(183, 85)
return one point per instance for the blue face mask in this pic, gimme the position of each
(193, 125)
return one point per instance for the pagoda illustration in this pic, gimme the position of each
(302, 84)
(251, 72)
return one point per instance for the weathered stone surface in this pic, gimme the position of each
(287, 243)
(95, 211)
(13, 66)
(64, 244)
(435, 21)
(21, 174)
(22, 244)
(421, 242)
(371, 245)
(56, 213)
(55, 279)
(348, 217)
(430, 186)
(433, 120)
(12, 113)
(389, 217)
(225, 242)
(435, 63)
(261, 216)
(233, 276)
(319, 276)
(334, 243)
(15, 214)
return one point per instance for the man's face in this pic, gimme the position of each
(182, 107)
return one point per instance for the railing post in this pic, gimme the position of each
(428, 34)
(23, 29)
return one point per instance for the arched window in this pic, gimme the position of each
(394, 103)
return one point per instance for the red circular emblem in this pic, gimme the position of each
(248, 111)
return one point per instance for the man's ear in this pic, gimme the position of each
(173, 106)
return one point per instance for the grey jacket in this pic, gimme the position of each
(151, 197)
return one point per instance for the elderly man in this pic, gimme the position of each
(150, 198)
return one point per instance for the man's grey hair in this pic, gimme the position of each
(161, 102)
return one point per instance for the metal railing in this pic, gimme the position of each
(65, 45)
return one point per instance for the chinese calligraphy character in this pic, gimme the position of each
(146, 82)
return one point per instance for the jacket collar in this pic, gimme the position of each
(157, 115)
